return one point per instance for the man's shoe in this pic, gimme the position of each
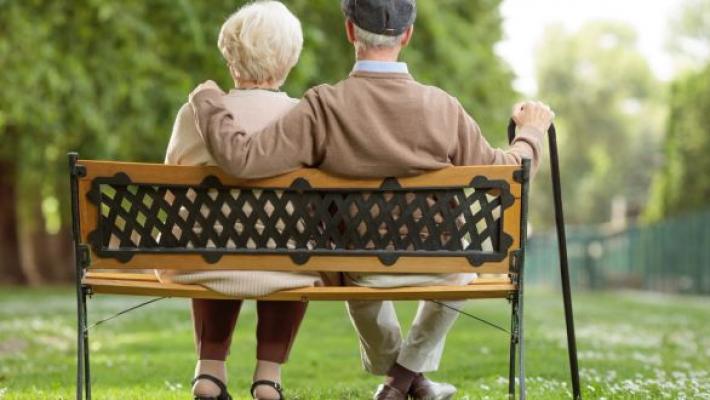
(424, 389)
(387, 392)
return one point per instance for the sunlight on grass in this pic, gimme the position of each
(631, 346)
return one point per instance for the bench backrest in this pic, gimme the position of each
(138, 216)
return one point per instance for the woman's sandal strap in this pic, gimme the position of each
(272, 384)
(223, 394)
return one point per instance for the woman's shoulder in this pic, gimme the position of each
(185, 113)
(186, 146)
(258, 104)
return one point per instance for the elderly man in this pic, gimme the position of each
(378, 122)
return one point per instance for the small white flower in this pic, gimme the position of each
(173, 387)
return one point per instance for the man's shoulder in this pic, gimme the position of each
(326, 93)
(325, 88)
(432, 94)
(436, 92)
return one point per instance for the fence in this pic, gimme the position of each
(670, 256)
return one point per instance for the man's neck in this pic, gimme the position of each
(383, 55)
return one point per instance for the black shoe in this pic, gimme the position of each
(273, 384)
(223, 394)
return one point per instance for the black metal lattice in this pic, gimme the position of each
(213, 220)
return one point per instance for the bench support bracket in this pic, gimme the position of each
(81, 261)
(517, 342)
(517, 269)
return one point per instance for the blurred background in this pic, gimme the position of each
(629, 81)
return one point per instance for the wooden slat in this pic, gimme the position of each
(315, 264)
(121, 276)
(190, 175)
(149, 287)
(484, 280)
(497, 280)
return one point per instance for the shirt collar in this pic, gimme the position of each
(381, 67)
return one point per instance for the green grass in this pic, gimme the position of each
(632, 346)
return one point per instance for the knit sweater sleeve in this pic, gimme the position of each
(293, 142)
(471, 147)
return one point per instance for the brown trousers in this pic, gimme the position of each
(278, 323)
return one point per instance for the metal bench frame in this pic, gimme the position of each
(510, 181)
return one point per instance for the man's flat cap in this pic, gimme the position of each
(383, 17)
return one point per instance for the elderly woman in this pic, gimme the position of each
(261, 43)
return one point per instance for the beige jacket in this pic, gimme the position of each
(369, 125)
(256, 109)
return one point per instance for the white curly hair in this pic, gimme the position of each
(261, 42)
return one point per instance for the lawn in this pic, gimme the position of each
(632, 346)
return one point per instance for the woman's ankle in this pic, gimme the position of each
(215, 368)
(267, 371)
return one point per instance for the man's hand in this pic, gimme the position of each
(207, 85)
(533, 113)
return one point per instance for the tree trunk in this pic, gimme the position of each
(49, 256)
(10, 266)
(60, 249)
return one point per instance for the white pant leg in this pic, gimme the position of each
(424, 345)
(379, 332)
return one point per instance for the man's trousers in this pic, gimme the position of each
(378, 328)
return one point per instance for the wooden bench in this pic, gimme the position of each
(131, 217)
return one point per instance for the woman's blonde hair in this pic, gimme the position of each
(261, 42)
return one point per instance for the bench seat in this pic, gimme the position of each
(148, 285)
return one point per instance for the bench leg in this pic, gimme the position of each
(517, 349)
(83, 377)
(521, 346)
(80, 343)
(87, 352)
(519, 267)
(81, 258)
(513, 346)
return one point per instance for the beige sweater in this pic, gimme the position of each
(369, 125)
(255, 108)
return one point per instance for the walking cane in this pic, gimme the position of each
(562, 245)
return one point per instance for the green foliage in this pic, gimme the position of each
(106, 78)
(683, 184)
(453, 49)
(690, 34)
(607, 103)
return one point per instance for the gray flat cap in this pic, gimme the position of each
(383, 17)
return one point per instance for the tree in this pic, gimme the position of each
(608, 114)
(689, 40)
(683, 184)
(106, 79)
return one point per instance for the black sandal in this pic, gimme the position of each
(273, 384)
(223, 394)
